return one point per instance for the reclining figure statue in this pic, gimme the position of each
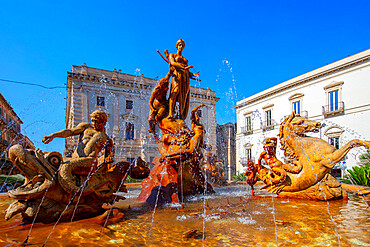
(83, 183)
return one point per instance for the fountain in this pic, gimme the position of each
(57, 189)
(177, 173)
(307, 176)
(76, 193)
(212, 168)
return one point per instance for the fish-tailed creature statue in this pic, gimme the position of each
(178, 172)
(55, 188)
(93, 189)
(312, 159)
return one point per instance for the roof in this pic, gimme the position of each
(10, 108)
(114, 76)
(312, 75)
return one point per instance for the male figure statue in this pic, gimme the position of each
(92, 141)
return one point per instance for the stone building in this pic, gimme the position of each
(226, 148)
(10, 134)
(125, 99)
(337, 95)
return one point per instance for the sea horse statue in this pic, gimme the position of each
(307, 176)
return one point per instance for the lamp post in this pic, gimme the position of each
(322, 126)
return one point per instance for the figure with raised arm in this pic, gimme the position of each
(52, 183)
(180, 85)
(92, 141)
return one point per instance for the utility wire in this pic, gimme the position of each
(31, 84)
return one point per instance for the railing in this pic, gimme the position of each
(4, 142)
(3, 120)
(247, 130)
(268, 125)
(333, 109)
(13, 127)
(304, 114)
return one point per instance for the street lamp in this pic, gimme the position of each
(322, 126)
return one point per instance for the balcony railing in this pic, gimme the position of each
(4, 142)
(3, 120)
(13, 127)
(268, 125)
(333, 109)
(304, 114)
(247, 130)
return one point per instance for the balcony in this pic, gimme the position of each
(3, 120)
(268, 125)
(3, 144)
(247, 130)
(333, 109)
(303, 114)
(13, 127)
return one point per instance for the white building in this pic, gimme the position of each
(337, 95)
(125, 99)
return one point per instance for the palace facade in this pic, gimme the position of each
(125, 99)
(226, 148)
(337, 95)
(10, 134)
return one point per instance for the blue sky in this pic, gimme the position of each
(239, 47)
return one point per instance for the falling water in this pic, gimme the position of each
(115, 198)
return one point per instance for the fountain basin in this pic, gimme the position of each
(233, 218)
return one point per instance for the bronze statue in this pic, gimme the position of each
(158, 104)
(251, 174)
(312, 159)
(92, 141)
(275, 173)
(85, 182)
(215, 174)
(178, 172)
(180, 85)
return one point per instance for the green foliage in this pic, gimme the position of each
(15, 180)
(365, 158)
(239, 177)
(359, 175)
(132, 180)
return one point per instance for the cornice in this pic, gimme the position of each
(296, 96)
(332, 68)
(135, 85)
(334, 84)
(115, 82)
(247, 113)
(5, 102)
(268, 106)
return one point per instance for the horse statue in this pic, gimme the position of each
(312, 159)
